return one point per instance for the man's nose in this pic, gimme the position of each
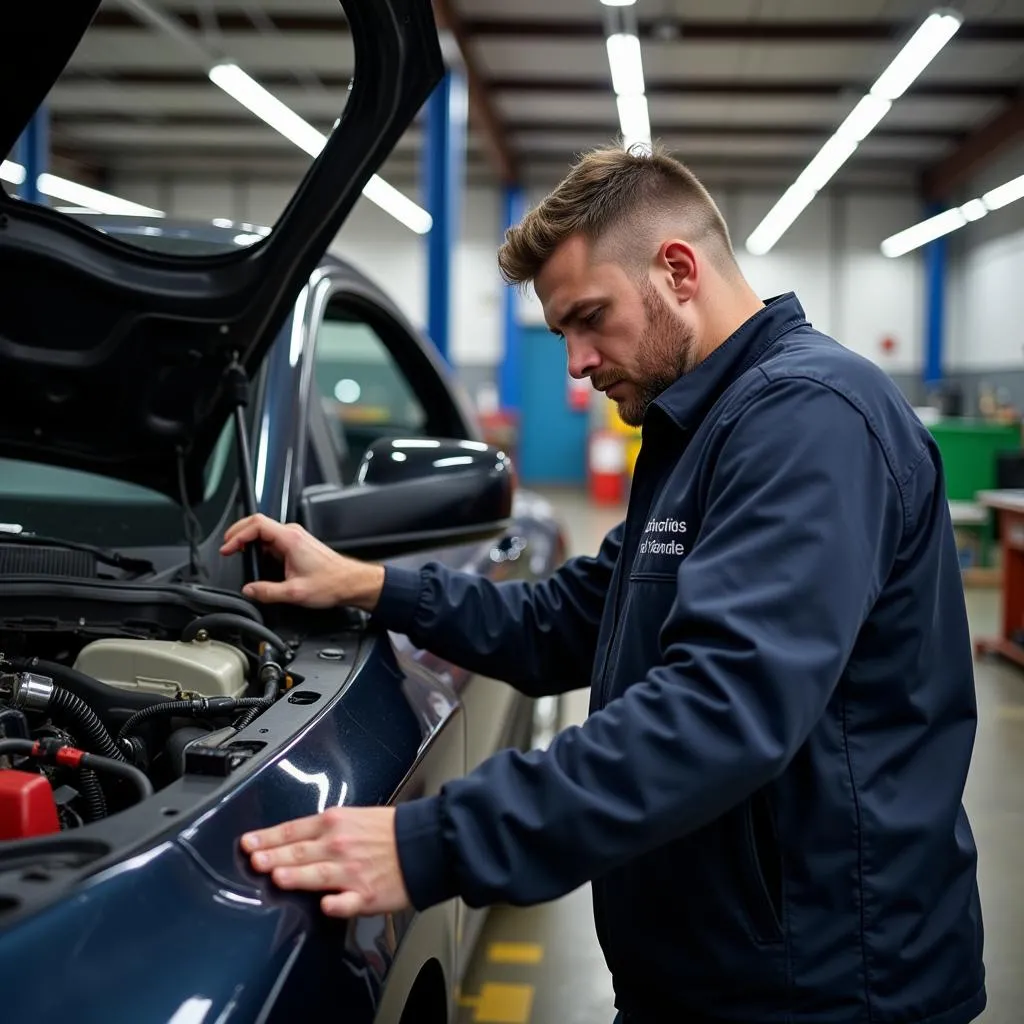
(583, 359)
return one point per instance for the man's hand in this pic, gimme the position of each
(315, 576)
(350, 852)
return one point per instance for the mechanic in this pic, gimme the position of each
(767, 793)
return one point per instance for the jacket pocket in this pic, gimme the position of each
(762, 873)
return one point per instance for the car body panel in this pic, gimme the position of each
(227, 936)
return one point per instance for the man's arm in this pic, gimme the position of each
(801, 527)
(540, 637)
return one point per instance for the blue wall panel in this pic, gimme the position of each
(552, 437)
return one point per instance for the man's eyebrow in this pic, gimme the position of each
(570, 314)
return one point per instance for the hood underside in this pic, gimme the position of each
(113, 359)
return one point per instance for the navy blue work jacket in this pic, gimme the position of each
(767, 792)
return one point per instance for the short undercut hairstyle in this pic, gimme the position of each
(619, 197)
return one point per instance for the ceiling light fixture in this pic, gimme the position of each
(634, 120)
(950, 220)
(625, 63)
(12, 172)
(627, 71)
(78, 195)
(919, 51)
(245, 90)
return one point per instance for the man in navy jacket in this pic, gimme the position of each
(767, 793)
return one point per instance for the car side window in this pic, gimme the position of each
(363, 392)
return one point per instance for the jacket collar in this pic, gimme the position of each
(686, 401)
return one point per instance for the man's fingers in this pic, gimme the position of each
(306, 851)
(242, 530)
(257, 527)
(290, 832)
(267, 592)
(343, 904)
(324, 874)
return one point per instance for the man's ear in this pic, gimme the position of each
(678, 261)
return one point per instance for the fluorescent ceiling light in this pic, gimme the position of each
(919, 51)
(920, 234)
(400, 206)
(975, 209)
(94, 199)
(634, 120)
(793, 202)
(618, 3)
(950, 220)
(626, 65)
(826, 162)
(269, 109)
(861, 121)
(12, 172)
(1008, 193)
(78, 195)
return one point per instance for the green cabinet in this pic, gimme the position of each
(969, 450)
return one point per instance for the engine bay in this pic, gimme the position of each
(99, 714)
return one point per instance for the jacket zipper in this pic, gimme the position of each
(629, 545)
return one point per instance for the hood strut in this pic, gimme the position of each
(238, 389)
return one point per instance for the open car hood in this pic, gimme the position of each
(112, 359)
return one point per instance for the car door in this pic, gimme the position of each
(367, 380)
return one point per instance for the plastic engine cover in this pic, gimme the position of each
(166, 667)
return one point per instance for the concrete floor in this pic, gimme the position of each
(542, 965)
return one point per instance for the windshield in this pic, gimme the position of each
(95, 509)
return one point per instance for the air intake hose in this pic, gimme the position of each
(98, 694)
(37, 693)
(90, 732)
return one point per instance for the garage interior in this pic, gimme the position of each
(908, 247)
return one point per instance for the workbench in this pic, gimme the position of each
(1008, 505)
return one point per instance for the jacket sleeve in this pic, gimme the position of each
(540, 637)
(801, 522)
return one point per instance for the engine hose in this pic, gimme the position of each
(92, 794)
(261, 703)
(97, 694)
(89, 731)
(51, 751)
(195, 707)
(218, 622)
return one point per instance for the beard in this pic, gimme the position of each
(666, 351)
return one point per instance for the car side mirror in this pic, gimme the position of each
(414, 493)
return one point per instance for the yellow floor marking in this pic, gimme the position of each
(469, 1001)
(515, 953)
(1010, 713)
(504, 1004)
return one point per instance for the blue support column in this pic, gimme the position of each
(510, 372)
(935, 307)
(32, 151)
(444, 160)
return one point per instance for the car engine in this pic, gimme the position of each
(105, 723)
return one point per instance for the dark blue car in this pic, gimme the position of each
(159, 380)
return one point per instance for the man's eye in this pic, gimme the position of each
(591, 318)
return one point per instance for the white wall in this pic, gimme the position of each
(830, 258)
(985, 318)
